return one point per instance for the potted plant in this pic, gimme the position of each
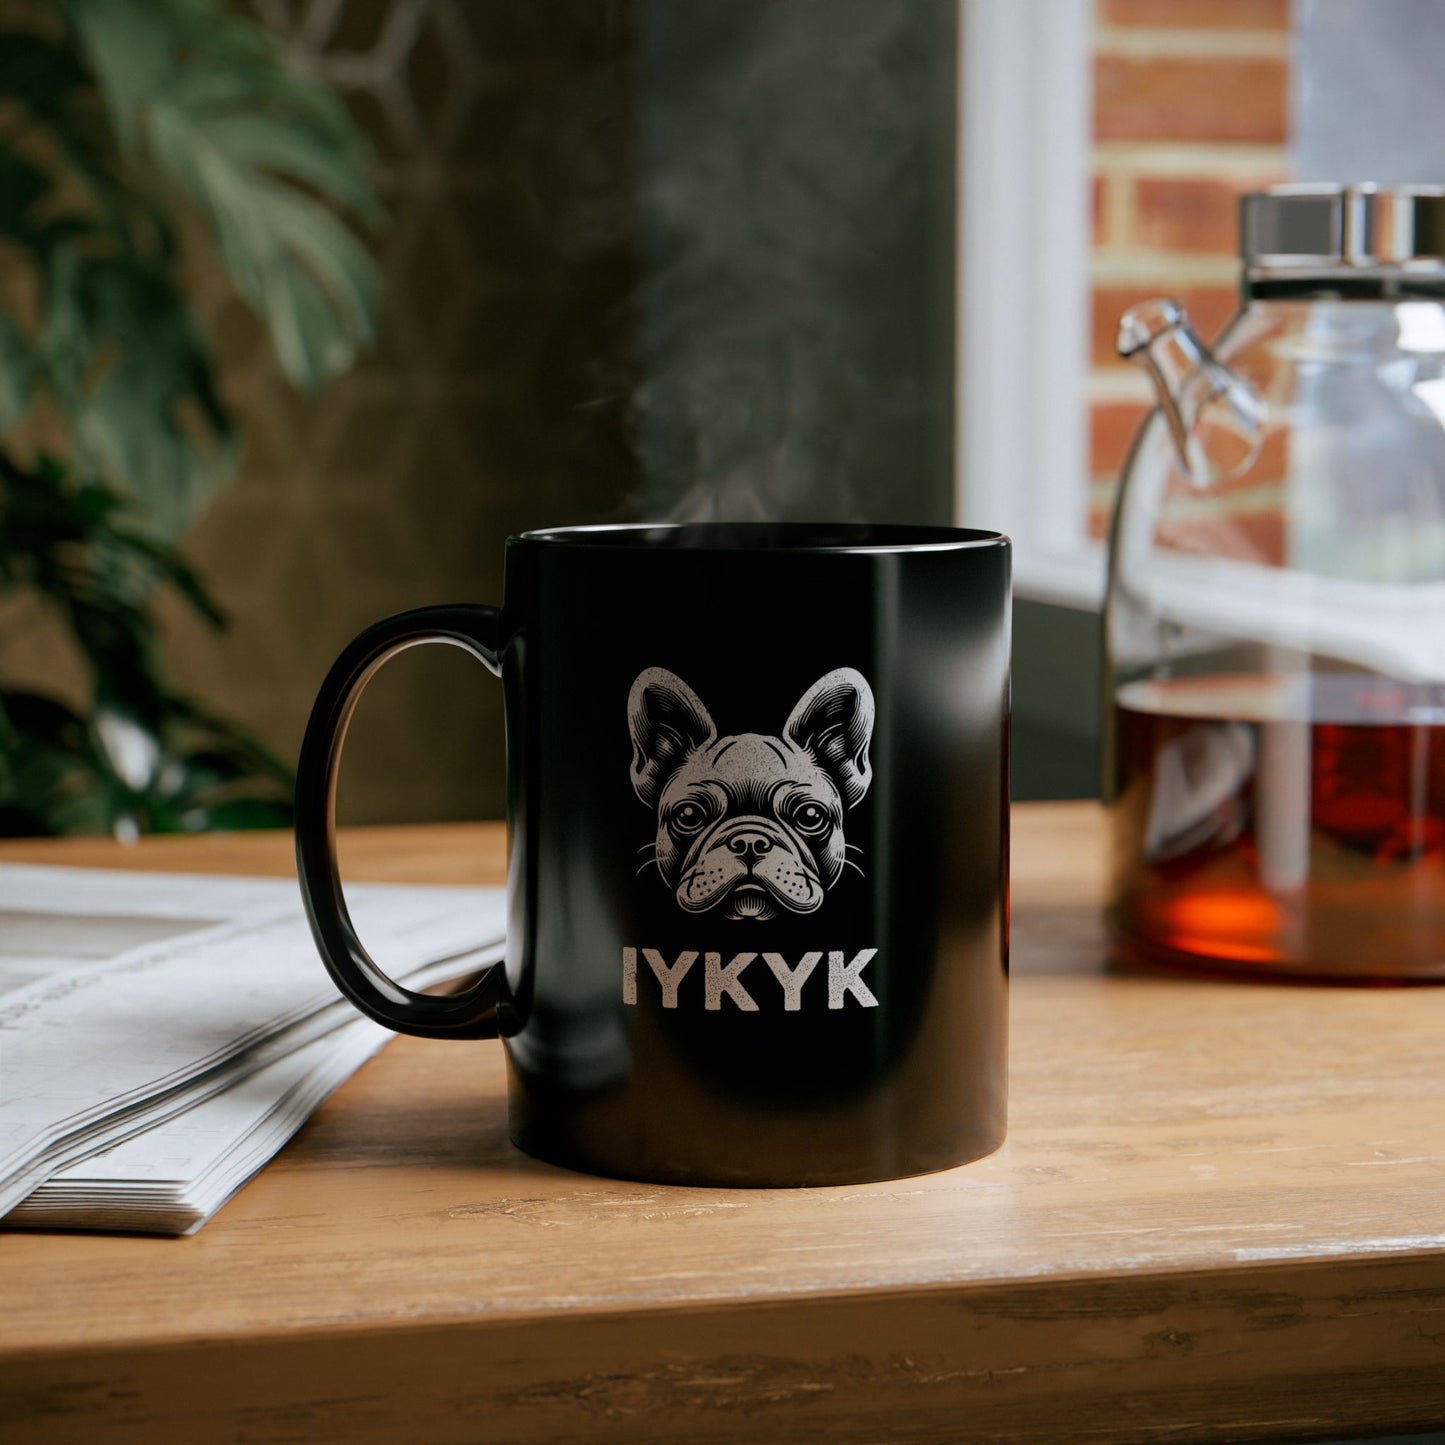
(130, 129)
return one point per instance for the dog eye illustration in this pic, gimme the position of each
(686, 818)
(811, 818)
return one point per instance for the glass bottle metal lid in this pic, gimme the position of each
(1330, 228)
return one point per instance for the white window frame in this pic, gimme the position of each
(1021, 446)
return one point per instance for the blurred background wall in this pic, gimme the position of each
(677, 258)
(1191, 109)
(645, 258)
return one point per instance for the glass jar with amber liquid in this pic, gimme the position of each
(1275, 624)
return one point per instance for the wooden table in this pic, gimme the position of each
(1220, 1214)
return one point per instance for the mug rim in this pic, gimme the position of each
(842, 537)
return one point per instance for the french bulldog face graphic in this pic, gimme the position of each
(750, 824)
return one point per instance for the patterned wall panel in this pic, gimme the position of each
(477, 416)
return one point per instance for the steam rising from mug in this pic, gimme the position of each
(789, 345)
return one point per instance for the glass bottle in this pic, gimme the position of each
(1275, 623)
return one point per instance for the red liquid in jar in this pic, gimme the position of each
(1285, 825)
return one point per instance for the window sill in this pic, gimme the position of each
(1073, 578)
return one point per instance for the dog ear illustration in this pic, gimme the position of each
(667, 723)
(834, 722)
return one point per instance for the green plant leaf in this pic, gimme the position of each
(61, 773)
(169, 566)
(112, 117)
(134, 378)
(264, 152)
(22, 186)
(74, 547)
(242, 747)
(17, 369)
(38, 72)
(49, 783)
(54, 96)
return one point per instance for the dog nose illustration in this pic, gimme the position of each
(750, 844)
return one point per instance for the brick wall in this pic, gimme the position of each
(1190, 110)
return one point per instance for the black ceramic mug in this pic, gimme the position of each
(758, 882)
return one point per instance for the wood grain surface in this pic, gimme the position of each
(1220, 1214)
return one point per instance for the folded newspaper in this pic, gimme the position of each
(161, 1036)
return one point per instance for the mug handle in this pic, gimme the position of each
(471, 1014)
